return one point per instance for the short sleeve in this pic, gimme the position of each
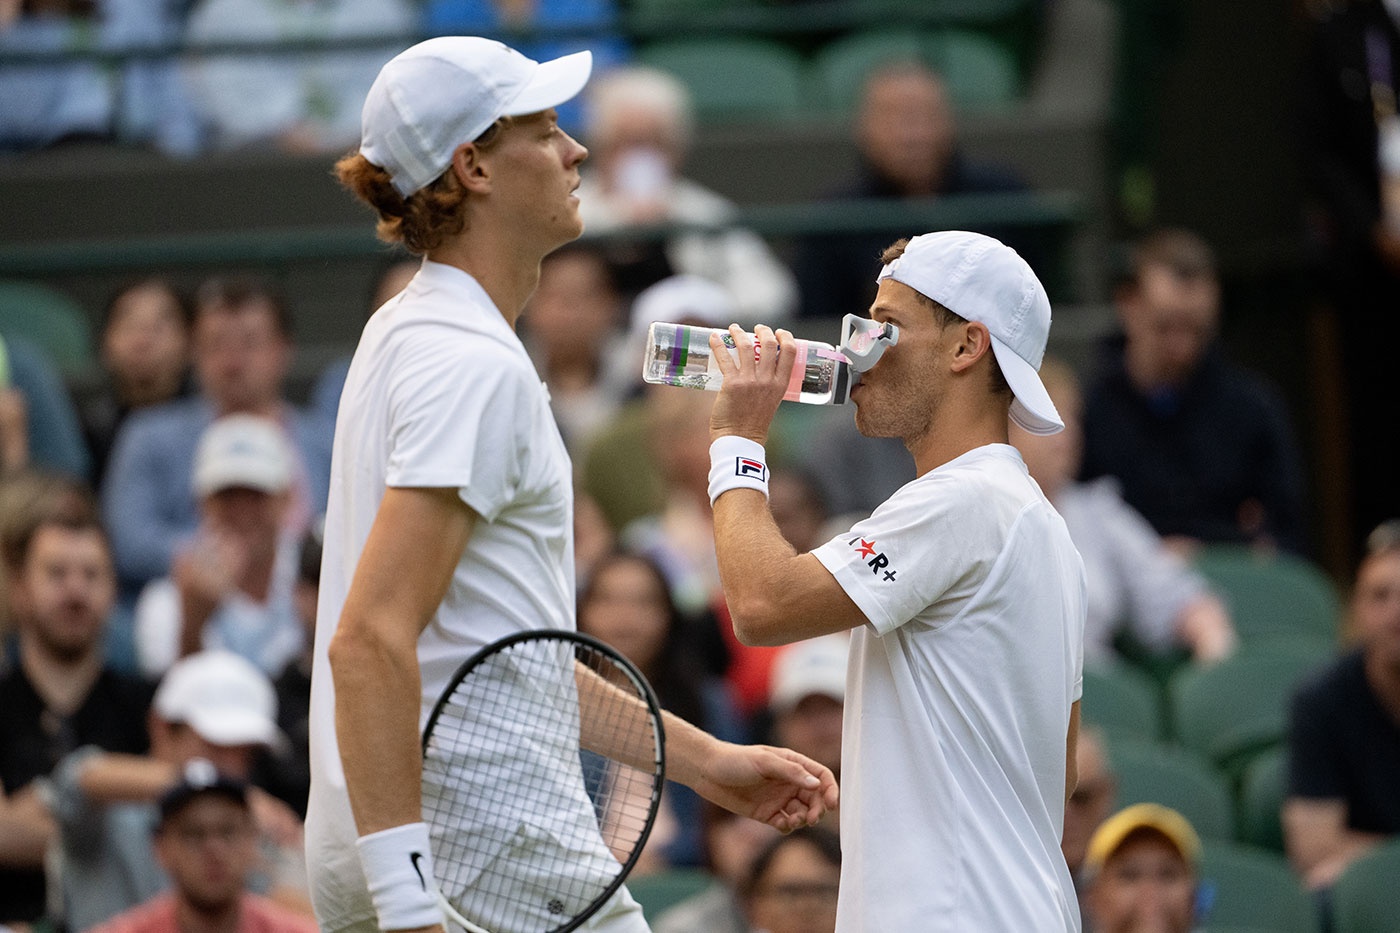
(463, 428)
(913, 551)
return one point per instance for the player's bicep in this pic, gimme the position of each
(407, 563)
(810, 602)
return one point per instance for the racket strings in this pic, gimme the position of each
(530, 830)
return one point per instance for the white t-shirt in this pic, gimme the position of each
(1134, 579)
(440, 393)
(268, 633)
(958, 701)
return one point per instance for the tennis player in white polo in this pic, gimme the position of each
(964, 592)
(449, 523)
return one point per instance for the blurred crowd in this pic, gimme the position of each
(159, 527)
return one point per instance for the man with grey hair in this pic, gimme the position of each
(639, 131)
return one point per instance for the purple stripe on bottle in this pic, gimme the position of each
(680, 348)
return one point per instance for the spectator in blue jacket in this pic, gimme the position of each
(242, 353)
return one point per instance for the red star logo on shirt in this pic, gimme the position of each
(867, 548)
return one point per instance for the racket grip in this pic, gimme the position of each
(398, 867)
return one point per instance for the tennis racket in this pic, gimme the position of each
(543, 762)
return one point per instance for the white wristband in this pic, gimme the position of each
(398, 866)
(737, 463)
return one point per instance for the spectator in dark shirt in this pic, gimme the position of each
(1203, 448)
(60, 695)
(907, 137)
(1344, 738)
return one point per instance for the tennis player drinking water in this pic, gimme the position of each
(450, 514)
(964, 591)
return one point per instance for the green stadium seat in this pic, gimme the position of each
(663, 890)
(1252, 888)
(1364, 899)
(1262, 789)
(1176, 778)
(1271, 596)
(981, 73)
(1238, 707)
(842, 65)
(734, 80)
(49, 320)
(1122, 701)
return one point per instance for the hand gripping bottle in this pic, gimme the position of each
(679, 355)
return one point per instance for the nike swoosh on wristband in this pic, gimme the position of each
(415, 858)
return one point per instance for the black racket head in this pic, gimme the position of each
(532, 831)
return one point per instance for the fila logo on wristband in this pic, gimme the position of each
(737, 463)
(755, 469)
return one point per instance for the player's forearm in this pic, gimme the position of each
(377, 700)
(754, 567)
(599, 732)
(688, 747)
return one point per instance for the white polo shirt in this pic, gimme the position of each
(440, 394)
(958, 700)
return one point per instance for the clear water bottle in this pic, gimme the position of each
(679, 355)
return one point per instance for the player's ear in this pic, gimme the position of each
(471, 169)
(974, 342)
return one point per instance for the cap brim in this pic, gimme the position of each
(553, 83)
(236, 727)
(1032, 409)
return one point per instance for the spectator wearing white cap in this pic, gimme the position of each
(619, 470)
(446, 458)
(232, 585)
(213, 706)
(242, 347)
(963, 592)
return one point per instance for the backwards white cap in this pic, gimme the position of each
(984, 280)
(438, 94)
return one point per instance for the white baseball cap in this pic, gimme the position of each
(682, 299)
(245, 451)
(438, 94)
(984, 280)
(815, 667)
(222, 697)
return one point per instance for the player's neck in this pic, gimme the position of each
(956, 429)
(507, 269)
